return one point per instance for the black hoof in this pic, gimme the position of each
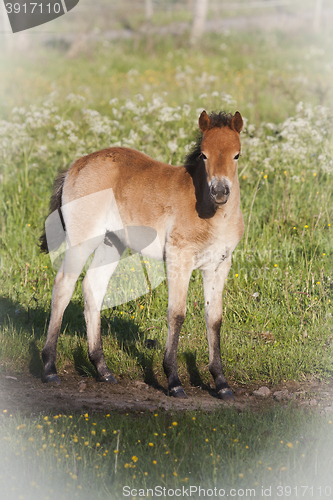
(51, 378)
(226, 395)
(178, 392)
(107, 378)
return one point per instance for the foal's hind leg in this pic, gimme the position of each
(63, 289)
(94, 287)
(178, 279)
(213, 288)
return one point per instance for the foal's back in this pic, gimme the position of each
(147, 192)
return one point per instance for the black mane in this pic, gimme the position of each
(219, 120)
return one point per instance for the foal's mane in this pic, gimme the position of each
(219, 120)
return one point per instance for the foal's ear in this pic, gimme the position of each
(204, 122)
(237, 122)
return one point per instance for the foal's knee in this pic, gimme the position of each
(176, 321)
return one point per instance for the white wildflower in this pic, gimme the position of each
(172, 145)
(75, 98)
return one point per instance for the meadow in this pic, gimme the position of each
(277, 322)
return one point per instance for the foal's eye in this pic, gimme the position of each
(203, 156)
(236, 157)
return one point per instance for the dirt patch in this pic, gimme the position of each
(28, 395)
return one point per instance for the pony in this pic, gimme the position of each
(194, 211)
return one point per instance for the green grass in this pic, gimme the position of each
(277, 321)
(64, 456)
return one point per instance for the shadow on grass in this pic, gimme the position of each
(128, 335)
(33, 324)
(193, 371)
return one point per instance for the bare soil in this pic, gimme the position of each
(27, 395)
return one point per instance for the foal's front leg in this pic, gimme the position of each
(213, 288)
(178, 279)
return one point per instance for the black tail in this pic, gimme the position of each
(55, 204)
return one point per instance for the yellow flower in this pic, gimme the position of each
(242, 475)
(174, 423)
(283, 468)
(175, 474)
(154, 462)
(150, 444)
(31, 440)
(314, 174)
(86, 443)
(93, 433)
(306, 226)
(290, 445)
(116, 451)
(134, 458)
(265, 176)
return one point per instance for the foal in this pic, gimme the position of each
(195, 212)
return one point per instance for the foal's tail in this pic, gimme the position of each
(55, 204)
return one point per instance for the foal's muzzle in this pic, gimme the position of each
(219, 192)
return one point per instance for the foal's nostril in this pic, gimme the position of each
(226, 190)
(213, 190)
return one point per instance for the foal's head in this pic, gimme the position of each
(220, 150)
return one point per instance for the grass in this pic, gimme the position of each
(283, 451)
(277, 321)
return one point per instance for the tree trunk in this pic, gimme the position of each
(317, 16)
(149, 10)
(199, 20)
